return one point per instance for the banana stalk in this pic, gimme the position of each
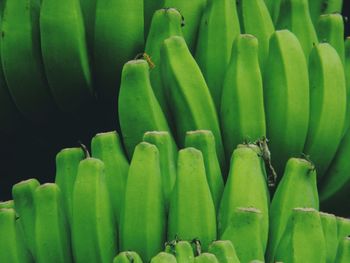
(163, 257)
(206, 258)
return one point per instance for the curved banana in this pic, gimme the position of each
(274, 8)
(286, 94)
(108, 148)
(23, 65)
(242, 119)
(7, 204)
(302, 235)
(343, 227)
(204, 141)
(192, 211)
(145, 114)
(163, 257)
(332, 6)
(206, 258)
(65, 53)
(182, 250)
(144, 233)
(149, 8)
(298, 188)
(343, 254)
(166, 22)
(347, 78)
(224, 251)
(327, 106)
(188, 94)
(294, 15)
(52, 240)
(167, 158)
(127, 257)
(93, 229)
(330, 232)
(218, 28)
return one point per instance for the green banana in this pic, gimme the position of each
(218, 28)
(192, 211)
(23, 66)
(243, 231)
(204, 141)
(192, 12)
(7, 204)
(163, 257)
(23, 196)
(146, 114)
(167, 158)
(188, 94)
(94, 236)
(65, 54)
(327, 106)
(315, 8)
(108, 148)
(182, 250)
(52, 240)
(294, 15)
(12, 244)
(329, 226)
(274, 8)
(88, 10)
(255, 19)
(343, 227)
(127, 257)
(144, 233)
(302, 235)
(224, 251)
(67, 162)
(286, 93)
(347, 78)
(206, 258)
(257, 261)
(245, 171)
(166, 22)
(332, 6)
(298, 188)
(150, 7)
(343, 254)
(242, 119)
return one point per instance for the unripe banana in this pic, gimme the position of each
(127, 257)
(88, 10)
(274, 8)
(204, 141)
(166, 22)
(142, 222)
(244, 231)
(298, 188)
(167, 158)
(150, 7)
(23, 196)
(332, 6)
(343, 254)
(302, 235)
(224, 251)
(315, 8)
(206, 258)
(242, 119)
(94, 236)
(192, 211)
(330, 232)
(145, 114)
(343, 226)
(294, 15)
(12, 244)
(52, 240)
(255, 19)
(64, 51)
(163, 257)
(188, 94)
(257, 261)
(327, 106)
(182, 250)
(347, 78)
(7, 204)
(108, 148)
(286, 93)
(218, 28)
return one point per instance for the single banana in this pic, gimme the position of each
(327, 106)
(302, 235)
(294, 15)
(298, 188)
(65, 54)
(145, 114)
(7, 204)
(224, 251)
(242, 119)
(166, 22)
(343, 227)
(286, 94)
(150, 7)
(94, 236)
(315, 8)
(218, 28)
(52, 240)
(244, 231)
(167, 158)
(332, 6)
(127, 257)
(23, 196)
(188, 94)
(192, 12)
(347, 78)
(12, 244)
(192, 211)
(204, 141)
(343, 253)
(330, 232)
(163, 257)
(245, 171)
(182, 250)
(255, 19)
(142, 222)
(206, 258)
(108, 148)
(23, 66)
